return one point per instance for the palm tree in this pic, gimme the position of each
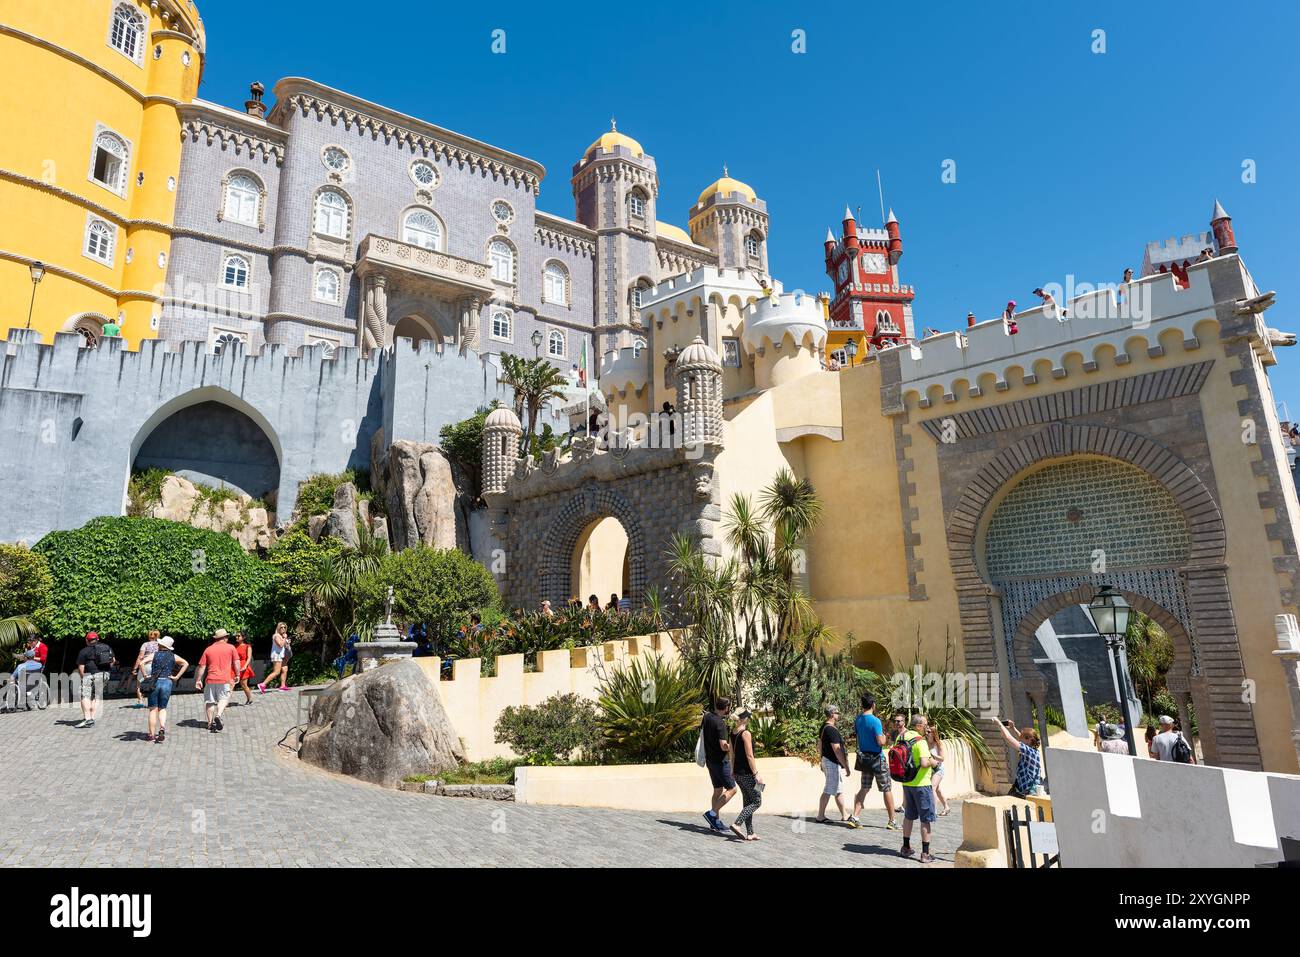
(14, 630)
(331, 590)
(535, 382)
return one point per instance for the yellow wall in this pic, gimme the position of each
(47, 133)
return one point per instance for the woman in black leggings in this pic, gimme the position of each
(745, 771)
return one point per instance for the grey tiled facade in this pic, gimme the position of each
(606, 252)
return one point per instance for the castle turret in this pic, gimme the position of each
(731, 220)
(786, 333)
(699, 394)
(615, 192)
(852, 244)
(895, 241)
(1221, 223)
(501, 432)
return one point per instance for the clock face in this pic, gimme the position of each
(874, 264)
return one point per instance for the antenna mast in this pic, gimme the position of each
(881, 190)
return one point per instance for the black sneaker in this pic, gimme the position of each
(162, 735)
(90, 723)
(216, 723)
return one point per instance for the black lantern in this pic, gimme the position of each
(38, 273)
(851, 350)
(1110, 615)
(537, 342)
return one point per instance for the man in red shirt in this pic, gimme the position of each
(217, 669)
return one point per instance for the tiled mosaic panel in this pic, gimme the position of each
(1055, 519)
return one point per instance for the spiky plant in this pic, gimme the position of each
(648, 709)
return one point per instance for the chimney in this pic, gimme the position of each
(255, 106)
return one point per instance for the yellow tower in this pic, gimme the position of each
(90, 152)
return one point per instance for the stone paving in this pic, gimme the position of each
(105, 797)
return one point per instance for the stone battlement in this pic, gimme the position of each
(1187, 249)
(742, 280)
(952, 365)
(797, 314)
(624, 368)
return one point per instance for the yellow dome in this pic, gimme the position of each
(728, 185)
(613, 139)
(669, 231)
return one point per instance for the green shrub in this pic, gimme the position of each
(295, 558)
(557, 727)
(144, 491)
(25, 581)
(434, 587)
(123, 576)
(649, 710)
(316, 492)
(307, 669)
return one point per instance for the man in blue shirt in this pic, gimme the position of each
(872, 763)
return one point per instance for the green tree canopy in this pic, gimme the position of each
(25, 581)
(122, 576)
(436, 587)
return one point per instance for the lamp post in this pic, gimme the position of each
(537, 343)
(851, 350)
(38, 273)
(1110, 614)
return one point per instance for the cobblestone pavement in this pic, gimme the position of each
(104, 797)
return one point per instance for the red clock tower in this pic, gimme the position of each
(869, 305)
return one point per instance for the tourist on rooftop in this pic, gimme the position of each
(1050, 307)
(1009, 319)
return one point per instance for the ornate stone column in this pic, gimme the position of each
(1288, 656)
(468, 331)
(374, 332)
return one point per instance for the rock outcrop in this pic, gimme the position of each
(341, 522)
(180, 500)
(426, 496)
(381, 726)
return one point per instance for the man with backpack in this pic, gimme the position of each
(911, 764)
(1170, 745)
(94, 662)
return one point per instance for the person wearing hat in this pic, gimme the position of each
(1162, 745)
(1110, 739)
(1009, 319)
(835, 762)
(94, 662)
(218, 667)
(165, 670)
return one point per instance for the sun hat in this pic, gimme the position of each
(167, 641)
(220, 633)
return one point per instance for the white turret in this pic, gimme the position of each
(786, 333)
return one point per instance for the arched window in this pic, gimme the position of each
(126, 32)
(636, 202)
(501, 326)
(555, 284)
(332, 214)
(222, 340)
(638, 346)
(100, 238)
(421, 228)
(108, 162)
(754, 245)
(501, 257)
(555, 344)
(234, 272)
(243, 200)
(327, 285)
(637, 295)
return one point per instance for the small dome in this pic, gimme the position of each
(727, 185)
(612, 139)
(669, 231)
(699, 355)
(503, 418)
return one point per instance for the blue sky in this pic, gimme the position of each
(1067, 161)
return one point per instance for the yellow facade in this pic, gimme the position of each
(63, 82)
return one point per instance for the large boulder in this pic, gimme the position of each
(382, 726)
(425, 495)
(180, 500)
(341, 523)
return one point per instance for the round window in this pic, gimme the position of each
(336, 159)
(424, 174)
(502, 212)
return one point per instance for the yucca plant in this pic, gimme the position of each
(648, 709)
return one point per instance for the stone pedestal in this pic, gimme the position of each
(386, 646)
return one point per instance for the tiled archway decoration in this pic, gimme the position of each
(588, 505)
(1228, 731)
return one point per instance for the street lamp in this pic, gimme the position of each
(537, 343)
(851, 350)
(38, 273)
(1110, 614)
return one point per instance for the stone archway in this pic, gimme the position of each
(562, 538)
(1216, 671)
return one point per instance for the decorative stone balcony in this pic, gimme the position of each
(440, 273)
